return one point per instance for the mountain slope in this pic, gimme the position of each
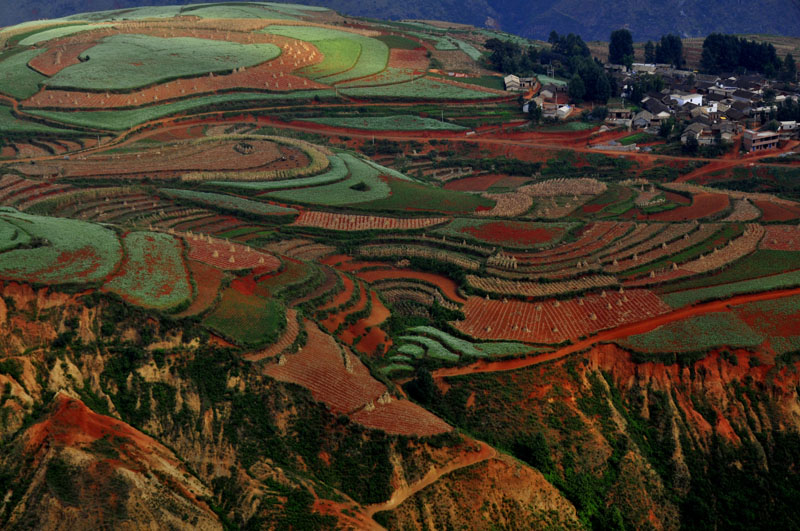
(593, 20)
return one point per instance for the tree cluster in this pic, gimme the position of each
(511, 58)
(669, 50)
(729, 53)
(620, 48)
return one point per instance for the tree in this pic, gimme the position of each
(620, 47)
(534, 112)
(670, 51)
(649, 52)
(576, 89)
(666, 127)
(789, 69)
(691, 146)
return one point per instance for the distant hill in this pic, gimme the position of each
(592, 19)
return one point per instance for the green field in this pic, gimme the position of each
(412, 196)
(236, 11)
(346, 55)
(125, 119)
(362, 185)
(229, 202)
(247, 320)
(11, 125)
(473, 350)
(12, 236)
(55, 33)
(69, 251)
(695, 334)
(153, 274)
(433, 349)
(17, 79)
(400, 122)
(127, 62)
(399, 42)
(780, 281)
(758, 264)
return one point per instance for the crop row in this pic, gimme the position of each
(354, 222)
(563, 186)
(556, 321)
(536, 289)
(319, 162)
(392, 251)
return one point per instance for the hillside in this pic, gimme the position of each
(534, 19)
(266, 266)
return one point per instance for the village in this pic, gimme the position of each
(709, 110)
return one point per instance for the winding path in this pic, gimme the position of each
(434, 474)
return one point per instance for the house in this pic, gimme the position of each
(696, 131)
(643, 68)
(616, 113)
(682, 98)
(788, 130)
(549, 110)
(512, 83)
(563, 111)
(725, 130)
(655, 106)
(642, 119)
(760, 140)
(744, 96)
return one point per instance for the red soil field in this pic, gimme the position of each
(341, 297)
(777, 212)
(554, 321)
(334, 320)
(56, 58)
(375, 336)
(448, 288)
(703, 205)
(411, 59)
(510, 231)
(402, 417)
(677, 198)
(781, 238)
(320, 368)
(229, 256)
(357, 266)
(208, 280)
(478, 183)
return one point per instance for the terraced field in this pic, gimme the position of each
(325, 251)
